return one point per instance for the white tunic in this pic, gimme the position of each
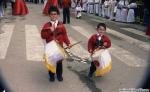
(96, 7)
(78, 11)
(112, 7)
(1, 10)
(100, 8)
(90, 6)
(121, 13)
(103, 10)
(131, 16)
(107, 8)
(124, 11)
(84, 5)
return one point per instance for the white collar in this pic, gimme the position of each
(99, 36)
(56, 22)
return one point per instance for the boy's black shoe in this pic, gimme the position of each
(52, 79)
(60, 78)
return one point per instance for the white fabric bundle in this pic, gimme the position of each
(104, 59)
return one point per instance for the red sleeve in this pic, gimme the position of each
(65, 37)
(44, 31)
(91, 43)
(107, 40)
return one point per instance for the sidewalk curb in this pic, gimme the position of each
(131, 40)
(135, 26)
(140, 44)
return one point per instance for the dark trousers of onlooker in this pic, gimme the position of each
(42, 1)
(31, 1)
(66, 15)
(5, 3)
(92, 69)
(36, 1)
(12, 4)
(59, 71)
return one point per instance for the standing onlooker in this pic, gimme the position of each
(121, 13)
(38, 1)
(112, 8)
(103, 8)
(100, 8)
(84, 5)
(124, 11)
(90, 6)
(1, 9)
(78, 9)
(131, 13)
(118, 11)
(96, 7)
(48, 4)
(66, 4)
(20, 8)
(106, 9)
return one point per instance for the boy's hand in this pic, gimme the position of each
(105, 43)
(69, 46)
(91, 52)
(52, 28)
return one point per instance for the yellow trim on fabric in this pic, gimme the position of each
(49, 66)
(101, 72)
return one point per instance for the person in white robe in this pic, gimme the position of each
(90, 6)
(78, 10)
(73, 3)
(121, 12)
(1, 9)
(96, 7)
(131, 12)
(112, 8)
(103, 8)
(100, 8)
(118, 11)
(109, 9)
(124, 11)
(84, 7)
(106, 9)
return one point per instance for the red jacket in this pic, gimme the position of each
(66, 3)
(59, 33)
(92, 41)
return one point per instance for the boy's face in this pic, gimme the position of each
(101, 30)
(53, 15)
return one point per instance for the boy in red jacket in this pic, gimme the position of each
(97, 41)
(55, 30)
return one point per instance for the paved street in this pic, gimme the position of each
(21, 50)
